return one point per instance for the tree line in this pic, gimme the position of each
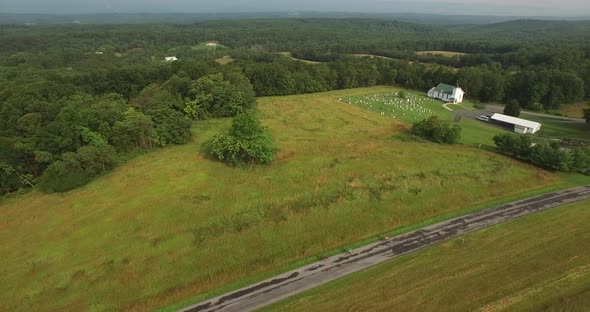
(548, 155)
(58, 137)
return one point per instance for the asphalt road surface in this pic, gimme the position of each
(491, 109)
(288, 284)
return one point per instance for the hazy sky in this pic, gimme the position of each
(497, 7)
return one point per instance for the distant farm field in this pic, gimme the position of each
(224, 60)
(443, 53)
(538, 262)
(374, 56)
(289, 55)
(172, 223)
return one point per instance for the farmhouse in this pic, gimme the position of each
(519, 125)
(211, 44)
(170, 58)
(447, 93)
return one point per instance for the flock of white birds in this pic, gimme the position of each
(408, 106)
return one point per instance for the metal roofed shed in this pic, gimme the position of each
(519, 125)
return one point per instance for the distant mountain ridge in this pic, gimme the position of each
(139, 18)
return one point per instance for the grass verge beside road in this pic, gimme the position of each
(568, 180)
(540, 261)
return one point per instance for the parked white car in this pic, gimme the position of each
(483, 118)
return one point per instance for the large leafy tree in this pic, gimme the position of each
(135, 131)
(512, 108)
(246, 142)
(215, 96)
(165, 109)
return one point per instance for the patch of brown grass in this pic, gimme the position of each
(574, 110)
(224, 60)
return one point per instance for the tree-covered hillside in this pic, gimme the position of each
(78, 99)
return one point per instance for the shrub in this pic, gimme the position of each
(479, 106)
(77, 169)
(517, 146)
(536, 106)
(246, 142)
(436, 130)
(551, 156)
(171, 127)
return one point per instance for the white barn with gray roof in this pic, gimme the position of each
(520, 125)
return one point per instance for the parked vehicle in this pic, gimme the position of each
(484, 118)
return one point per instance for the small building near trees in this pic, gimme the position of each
(447, 93)
(518, 125)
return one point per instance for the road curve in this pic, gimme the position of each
(288, 284)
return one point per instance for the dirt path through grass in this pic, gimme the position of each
(446, 106)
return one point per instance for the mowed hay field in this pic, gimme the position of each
(171, 224)
(538, 262)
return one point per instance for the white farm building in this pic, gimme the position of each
(519, 125)
(447, 93)
(170, 58)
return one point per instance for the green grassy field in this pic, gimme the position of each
(417, 106)
(538, 262)
(556, 128)
(171, 224)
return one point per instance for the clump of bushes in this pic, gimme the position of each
(546, 155)
(436, 130)
(77, 169)
(246, 142)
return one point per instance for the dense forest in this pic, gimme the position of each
(76, 100)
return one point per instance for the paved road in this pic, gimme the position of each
(500, 109)
(313, 275)
(491, 109)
